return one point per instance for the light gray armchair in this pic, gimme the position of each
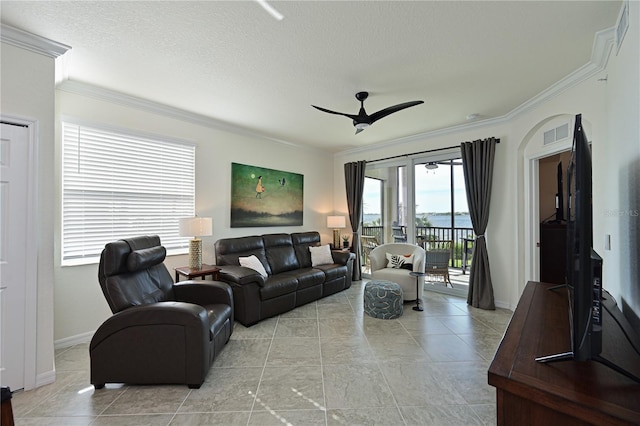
(380, 271)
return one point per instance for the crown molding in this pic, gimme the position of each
(32, 42)
(602, 46)
(421, 137)
(112, 96)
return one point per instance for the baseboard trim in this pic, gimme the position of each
(73, 340)
(45, 378)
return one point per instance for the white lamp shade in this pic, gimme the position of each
(336, 222)
(196, 226)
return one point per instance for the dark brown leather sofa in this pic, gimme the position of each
(291, 280)
(160, 332)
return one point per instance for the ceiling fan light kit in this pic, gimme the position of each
(363, 120)
(431, 166)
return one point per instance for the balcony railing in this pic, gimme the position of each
(428, 233)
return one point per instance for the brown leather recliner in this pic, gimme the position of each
(161, 332)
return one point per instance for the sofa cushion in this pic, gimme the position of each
(145, 258)
(278, 285)
(302, 241)
(308, 277)
(228, 250)
(280, 253)
(333, 271)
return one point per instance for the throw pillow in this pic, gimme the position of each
(321, 255)
(408, 262)
(399, 261)
(254, 263)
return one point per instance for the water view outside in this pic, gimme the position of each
(437, 220)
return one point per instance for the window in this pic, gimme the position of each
(372, 213)
(117, 185)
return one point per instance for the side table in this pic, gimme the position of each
(418, 301)
(203, 271)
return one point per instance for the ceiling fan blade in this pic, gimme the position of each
(351, 116)
(390, 110)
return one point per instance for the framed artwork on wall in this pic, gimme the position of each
(265, 197)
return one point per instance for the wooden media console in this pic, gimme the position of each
(566, 392)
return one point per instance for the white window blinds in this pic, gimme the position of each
(116, 185)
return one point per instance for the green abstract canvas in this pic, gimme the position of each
(265, 197)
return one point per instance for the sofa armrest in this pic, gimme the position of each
(162, 314)
(203, 292)
(342, 258)
(164, 342)
(237, 274)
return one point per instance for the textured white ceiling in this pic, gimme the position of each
(232, 61)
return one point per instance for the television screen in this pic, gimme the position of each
(584, 265)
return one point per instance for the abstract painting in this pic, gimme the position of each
(265, 197)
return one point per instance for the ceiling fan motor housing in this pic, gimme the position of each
(362, 96)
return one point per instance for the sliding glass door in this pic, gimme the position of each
(441, 207)
(416, 200)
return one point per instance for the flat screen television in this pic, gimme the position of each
(583, 265)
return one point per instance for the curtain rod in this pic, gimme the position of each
(417, 153)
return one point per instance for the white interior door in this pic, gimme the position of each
(14, 157)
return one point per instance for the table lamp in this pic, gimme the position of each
(195, 227)
(336, 222)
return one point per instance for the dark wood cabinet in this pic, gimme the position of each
(566, 392)
(553, 252)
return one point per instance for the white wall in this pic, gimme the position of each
(619, 212)
(28, 93)
(215, 151)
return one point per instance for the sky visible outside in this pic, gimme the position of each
(433, 193)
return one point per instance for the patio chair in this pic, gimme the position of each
(368, 242)
(438, 255)
(399, 234)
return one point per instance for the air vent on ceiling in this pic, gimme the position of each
(554, 135)
(622, 24)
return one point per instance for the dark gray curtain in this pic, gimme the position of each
(354, 183)
(477, 164)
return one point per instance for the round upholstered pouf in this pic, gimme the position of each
(383, 299)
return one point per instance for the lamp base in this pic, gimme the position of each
(195, 253)
(336, 239)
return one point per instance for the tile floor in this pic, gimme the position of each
(326, 363)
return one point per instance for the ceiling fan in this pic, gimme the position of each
(432, 165)
(363, 120)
